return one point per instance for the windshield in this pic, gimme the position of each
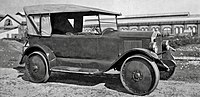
(97, 24)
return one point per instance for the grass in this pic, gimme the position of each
(180, 41)
(186, 53)
(188, 71)
(10, 52)
(190, 50)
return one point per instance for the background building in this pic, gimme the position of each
(12, 26)
(168, 24)
(9, 34)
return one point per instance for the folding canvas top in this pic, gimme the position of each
(62, 8)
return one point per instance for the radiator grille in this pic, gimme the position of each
(129, 44)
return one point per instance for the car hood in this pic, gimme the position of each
(139, 34)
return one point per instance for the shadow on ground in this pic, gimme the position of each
(112, 81)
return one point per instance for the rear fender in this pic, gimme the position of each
(144, 52)
(46, 50)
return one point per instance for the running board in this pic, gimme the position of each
(68, 69)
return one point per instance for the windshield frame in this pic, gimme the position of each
(99, 23)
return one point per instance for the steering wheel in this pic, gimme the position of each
(107, 31)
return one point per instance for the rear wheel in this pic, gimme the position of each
(139, 75)
(37, 67)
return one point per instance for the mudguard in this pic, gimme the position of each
(142, 51)
(46, 50)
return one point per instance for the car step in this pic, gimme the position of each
(68, 69)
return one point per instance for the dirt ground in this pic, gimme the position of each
(12, 84)
(184, 83)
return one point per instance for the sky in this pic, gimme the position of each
(125, 7)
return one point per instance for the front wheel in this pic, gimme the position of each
(165, 75)
(37, 67)
(139, 75)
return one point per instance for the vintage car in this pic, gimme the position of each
(57, 41)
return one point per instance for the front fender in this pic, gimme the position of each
(142, 51)
(46, 50)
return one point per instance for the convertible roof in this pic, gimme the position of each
(62, 8)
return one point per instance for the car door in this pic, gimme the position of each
(75, 46)
(108, 47)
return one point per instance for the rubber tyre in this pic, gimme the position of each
(149, 75)
(37, 67)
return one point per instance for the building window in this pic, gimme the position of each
(167, 31)
(146, 29)
(124, 28)
(134, 29)
(179, 30)
(194, 30)
(8, 22)
(155, 29)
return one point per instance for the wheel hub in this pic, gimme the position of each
(35, 68)
(137, 76)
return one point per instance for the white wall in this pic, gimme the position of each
(8, 34)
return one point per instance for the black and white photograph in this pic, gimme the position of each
(100, 48)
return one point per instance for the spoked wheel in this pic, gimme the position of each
(37, 67)
(139, 75)
(165, 75)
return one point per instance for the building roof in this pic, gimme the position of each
(178, 14)
(16, 18)
(60, 8)
(191, 19)
(21, 14)
(157, 19)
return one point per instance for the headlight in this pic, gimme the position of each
(153, 46)
(165, 45)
